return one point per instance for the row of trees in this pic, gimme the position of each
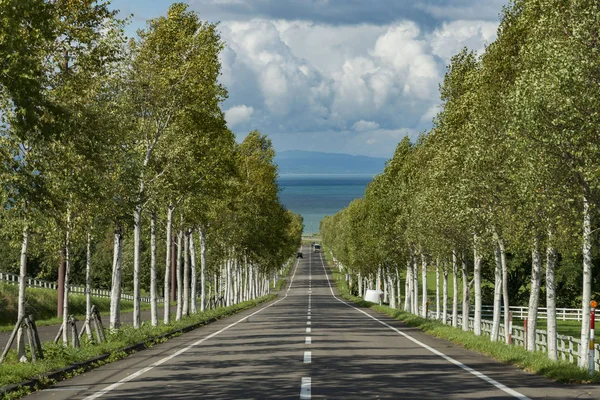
(510, 169)
(104, 134)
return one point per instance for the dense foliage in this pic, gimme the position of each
(116, 163)
(508, 176)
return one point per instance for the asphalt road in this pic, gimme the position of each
(310, 344)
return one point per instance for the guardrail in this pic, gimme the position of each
(38, 283)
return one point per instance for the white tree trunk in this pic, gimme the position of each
(445, 295)
(392, 299)
(424, 285)
(360, 286)
(88, 283)
(239, 281)
(167, 292)
(477, 278)
(202, 269)
(506, 300)
(228, 287)
(65, 305)
(215, 288)
(415, 285)
(551, 299)
(534, 295)
(251, 278)
(437, 289)
(179, 276)
(466, 300)
(398, 288)
(256, 282)
(186, 274)
(22, 286)
(194, 276)
(153, 300)
(385, 286)
(497, 297)
(137, 231)
(587, 284)
(455, 288)
(246, 280)
(408, 288)
(115, 294)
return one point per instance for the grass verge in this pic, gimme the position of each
(58, 357)
(535, 362)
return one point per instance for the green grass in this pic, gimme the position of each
(567, 328)
(58, 356)
(42, 304)
(536, 362)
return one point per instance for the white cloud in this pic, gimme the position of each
(237, 115)
(298, 77)
(300, 69)
(362, 125)
(451, 37)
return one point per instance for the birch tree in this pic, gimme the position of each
(553, 100)
(174, 61)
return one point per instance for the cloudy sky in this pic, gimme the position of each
(341, 76)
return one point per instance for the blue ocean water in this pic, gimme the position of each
(315, 196)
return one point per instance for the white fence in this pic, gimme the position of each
(31, 282)
(568, 347)
(562, 314)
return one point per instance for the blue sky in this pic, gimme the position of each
(343, 76)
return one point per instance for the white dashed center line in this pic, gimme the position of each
(307, 357)
(305, 389)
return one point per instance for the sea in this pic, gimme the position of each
(315, 196)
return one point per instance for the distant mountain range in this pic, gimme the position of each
(314, 162)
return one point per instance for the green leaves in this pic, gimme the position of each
(514, 148)
(94, 126)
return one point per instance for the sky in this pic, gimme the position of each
(339, 76)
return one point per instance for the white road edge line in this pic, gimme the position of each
(478, 374)
(305, 389)
(181, 351)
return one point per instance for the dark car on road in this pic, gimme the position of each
(299, 255)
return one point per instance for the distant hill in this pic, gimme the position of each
(314, 162)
